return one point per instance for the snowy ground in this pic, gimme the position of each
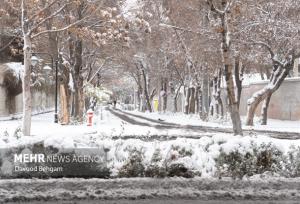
(170, 189)
(121, 137)
(105, 126)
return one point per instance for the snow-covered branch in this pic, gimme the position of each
(59, 30)
(229, 5)
(268, 47)
(179, 28)
(98, 70)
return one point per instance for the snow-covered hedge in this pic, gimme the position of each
(217, 156)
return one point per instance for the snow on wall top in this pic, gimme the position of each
(252, 78)
(129, 6)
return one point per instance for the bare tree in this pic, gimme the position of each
(222, 14)
(280, 41)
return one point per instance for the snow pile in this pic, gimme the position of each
(17, 68)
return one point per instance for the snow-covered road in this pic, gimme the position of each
(154, 120)
(193, 120)
(116, 124)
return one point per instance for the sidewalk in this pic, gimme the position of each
(43, 127)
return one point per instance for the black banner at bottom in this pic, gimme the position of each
(49, 162)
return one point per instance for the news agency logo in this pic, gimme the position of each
(48, 163)
(29, 158)
(41, 158)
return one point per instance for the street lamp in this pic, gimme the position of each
(34, 61)
(47, 68)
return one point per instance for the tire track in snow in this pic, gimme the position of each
(198, 128)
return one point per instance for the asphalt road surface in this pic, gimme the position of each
(155, 201)
(147, 190)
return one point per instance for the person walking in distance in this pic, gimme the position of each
(115, 103)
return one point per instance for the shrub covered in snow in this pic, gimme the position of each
(134, 166)
(156, 168)
(100, 93)
(256, 160)
(159, 167)
(292, 163)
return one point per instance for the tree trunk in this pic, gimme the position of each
(233, 108)
(65, 105)
(76, 50)
(198, 100)
(139, 96)
(64, 114)
(192, 101)
(238, 81)
(142, 103)
(165, 96)
(175, 98)
(186, 101)
(264, 110)
(213, 105)
(278, 75)
(146, 93)
(228, 71)
(216, 107)
(78, 101)
(78, 82)
(140, 92)
(26, 84)
(175, 109)
(232, 102)
(205, 94)
(253, 103)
